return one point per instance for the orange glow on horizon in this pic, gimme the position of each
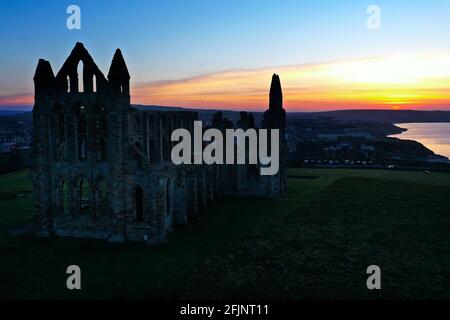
(420, 81)
(413, 81)
(17, 100)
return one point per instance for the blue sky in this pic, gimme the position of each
(175, 39)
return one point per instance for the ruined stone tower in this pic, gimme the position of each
(275, 118)
(102, 168)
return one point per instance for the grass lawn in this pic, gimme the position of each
(316, 243)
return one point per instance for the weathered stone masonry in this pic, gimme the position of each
(102, 168)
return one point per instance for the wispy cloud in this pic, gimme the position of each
(21, 99)
(420, 81)
(416, 81)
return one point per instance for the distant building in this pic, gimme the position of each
(334, 136)
(438, 159)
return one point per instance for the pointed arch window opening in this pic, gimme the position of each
(139, 204)
(82, 134)
(80, 73)
(64, 198)
(102, 134)
(61, 133)
(94, 83)
(84, 197)
(103, 206)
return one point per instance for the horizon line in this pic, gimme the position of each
(28, 108)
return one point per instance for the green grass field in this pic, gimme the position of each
(316, 243)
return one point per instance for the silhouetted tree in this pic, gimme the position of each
(221, 123)
(246, 121)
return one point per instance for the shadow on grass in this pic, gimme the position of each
(324, 251)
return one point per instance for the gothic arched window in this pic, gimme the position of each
(82, 133)
(139, 204)
(101, 133)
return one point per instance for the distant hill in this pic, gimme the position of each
(392, 116)
(16, 108)
(5, 113)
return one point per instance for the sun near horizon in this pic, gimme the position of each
(417, 82)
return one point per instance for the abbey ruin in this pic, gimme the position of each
(102, 168)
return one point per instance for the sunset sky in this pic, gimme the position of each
(222, 53)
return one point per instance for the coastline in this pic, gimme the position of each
(433, 146)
